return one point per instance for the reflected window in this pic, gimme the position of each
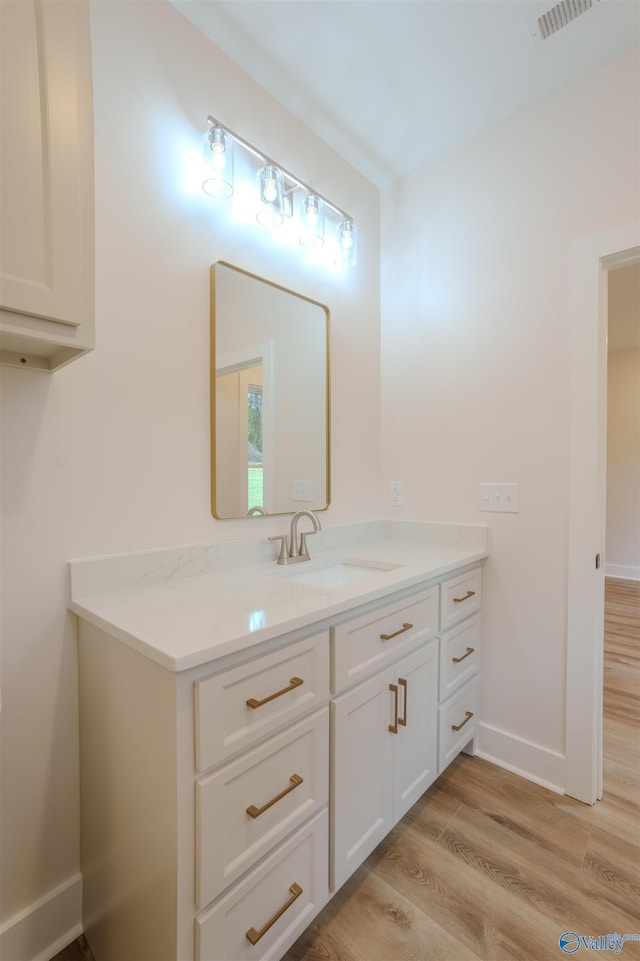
(255, 479)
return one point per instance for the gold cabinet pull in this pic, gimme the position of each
(458, 660)
(255, 812)
(293, 683)
(394, 727)
(403, 684)
(387, 637)
(459, 600)
(254, 936)
(468, 716)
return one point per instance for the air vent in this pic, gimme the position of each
(562, 14)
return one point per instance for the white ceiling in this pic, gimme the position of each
(391, 84)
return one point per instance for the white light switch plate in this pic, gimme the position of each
(499, 497)
(303, 490)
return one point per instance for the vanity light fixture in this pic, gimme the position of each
(347, 242)
(274, 202)
(219, 162)
(312, 215)
(271, 188)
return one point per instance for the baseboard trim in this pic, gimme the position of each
(515, 754)
(622, 571)
(38, 932)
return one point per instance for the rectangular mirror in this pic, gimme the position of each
(269, 397)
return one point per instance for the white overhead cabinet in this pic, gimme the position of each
(46, 184)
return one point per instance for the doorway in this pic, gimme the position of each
(622, 543)
(591, 259)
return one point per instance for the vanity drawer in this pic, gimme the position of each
(457, 722)
(460, 597)
(363, 645)
(273, 904)
(237, 707)
(459, 655)
(246, 807)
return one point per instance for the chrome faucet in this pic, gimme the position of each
(256, 510)
(296, 549)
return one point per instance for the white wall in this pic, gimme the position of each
(623, 464)
(475, 348)
(111, 453)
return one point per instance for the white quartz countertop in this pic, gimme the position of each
(183, 607)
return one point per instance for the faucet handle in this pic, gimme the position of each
(282, 556)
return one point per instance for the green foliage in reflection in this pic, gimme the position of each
(255, 419)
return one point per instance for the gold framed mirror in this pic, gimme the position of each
(270, 428)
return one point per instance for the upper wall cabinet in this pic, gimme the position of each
(46, 189)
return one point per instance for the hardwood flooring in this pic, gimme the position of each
(488, 866)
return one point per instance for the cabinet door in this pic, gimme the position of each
(46, 182)
(416, 743)
(362, 762)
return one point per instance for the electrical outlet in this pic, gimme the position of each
(502, 498)
(396, 493)
(303, 490)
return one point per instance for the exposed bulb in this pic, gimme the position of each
(346, 232)
(270, 191)
(217, 140)
(347, 240)
(270, 183)
(218, 180)
(312, 216)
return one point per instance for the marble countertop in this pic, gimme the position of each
(185, 606)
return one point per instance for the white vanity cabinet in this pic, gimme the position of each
(47, 261)
(221, 804)
(203, 800)
(460, 641)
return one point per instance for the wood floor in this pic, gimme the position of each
(488, 866)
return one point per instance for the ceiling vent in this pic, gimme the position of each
(557, 17)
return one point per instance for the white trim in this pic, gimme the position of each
(590, 260)
(622, 572)
(529, 760)
(41, 930)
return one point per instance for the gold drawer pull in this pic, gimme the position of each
(293, 683)
(393, 728)
(457, 727)
(458, 660)
(255, 812)
(403, 720)
(459, 600)
(254, 936)
(387, 637)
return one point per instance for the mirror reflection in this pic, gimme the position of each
(269, 397)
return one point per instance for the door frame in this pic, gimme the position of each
(591, 258)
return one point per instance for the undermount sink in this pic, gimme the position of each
(338, 573)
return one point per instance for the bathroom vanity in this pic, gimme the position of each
(249, 733)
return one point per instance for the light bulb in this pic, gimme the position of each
(217, 140)
(312, 215)
(271, 187)
(218, 146)
(346, 230)
(347, 238)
